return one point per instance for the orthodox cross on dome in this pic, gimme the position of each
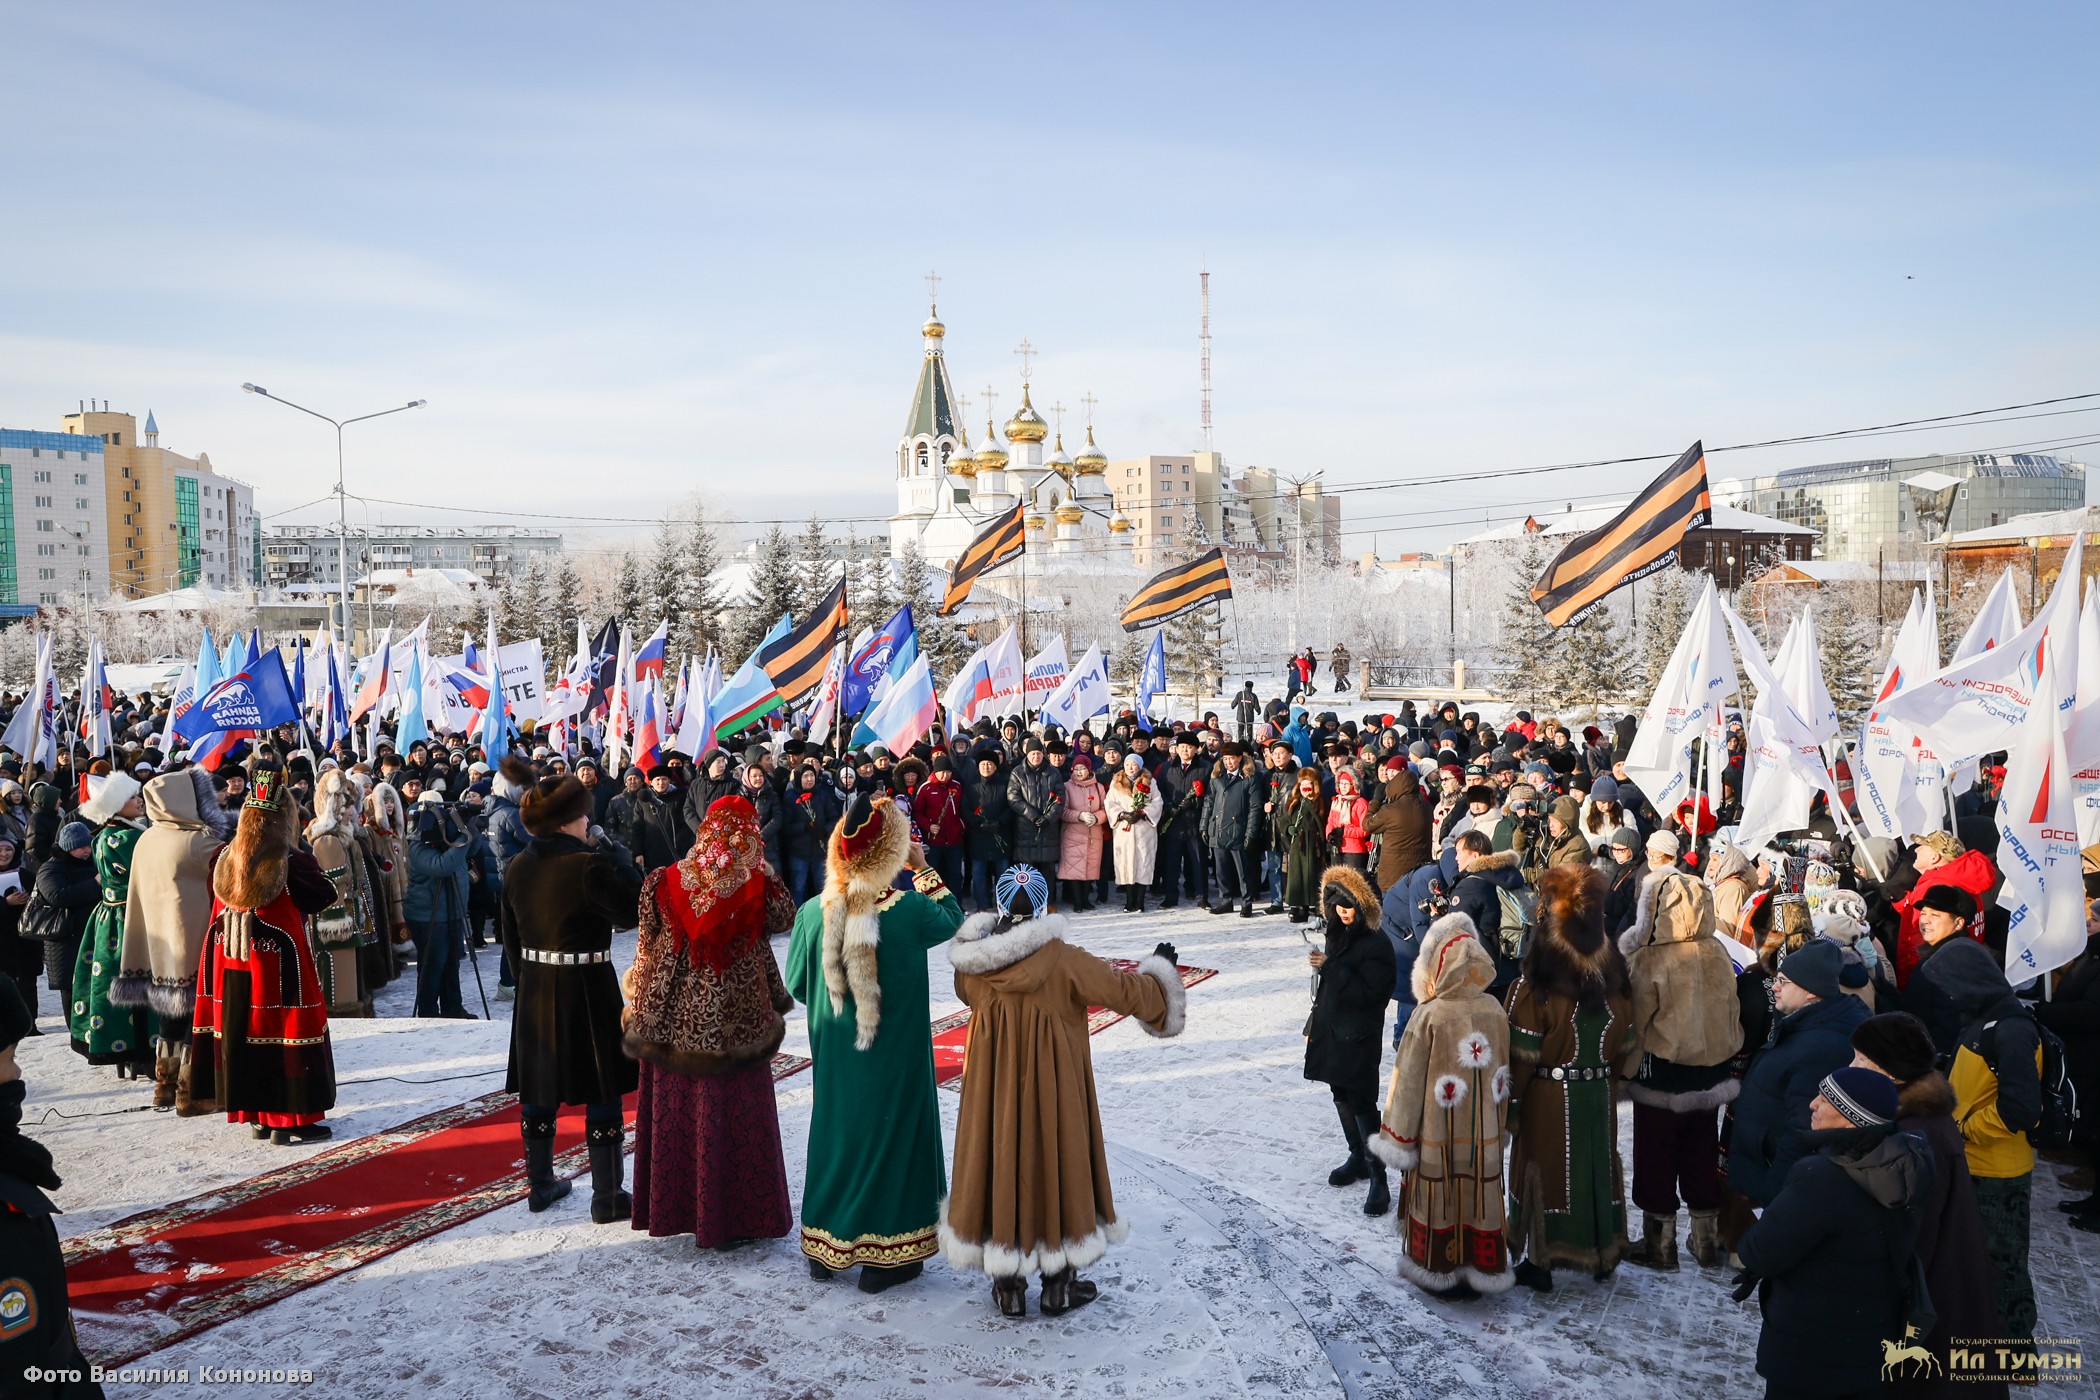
(1057, 411)
(991, 402)
(933, 290)
(1089, 401)
(1027, 353)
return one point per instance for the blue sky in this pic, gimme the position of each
(629, 252)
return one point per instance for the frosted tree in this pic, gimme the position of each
(944, 645)
(1664, 601)
(564, 602)
(1852, 649)
(630, 595)
(668, 585)
(875, 594)
(815, 569)
(1593, 660)
(1532, 648)
(775, 589)
(701, 622)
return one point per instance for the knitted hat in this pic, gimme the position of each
(1865, 1097)
(1628, 838)
(1898, 1043)
(73, 835)
(1664, 843)
(1814, 968)
(1605, 789)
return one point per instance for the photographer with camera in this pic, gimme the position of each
(1483, 873)
(436, 907)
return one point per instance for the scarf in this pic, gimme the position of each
(20, 1156)
(713, 900)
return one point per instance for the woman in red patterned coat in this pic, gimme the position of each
(704, 1016)
(259, 1044)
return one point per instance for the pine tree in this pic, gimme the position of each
(630, 597)
(816, 569)
(1852, 652)
(774, 590)
(1532, 647)
(1665, 600)
(1195, 641)
(667, 590)
(941, 642)
(533, 588)
(702, 619)
(1594, 660)
(565, 603)
(876, 594)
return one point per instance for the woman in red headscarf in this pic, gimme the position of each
(704, 1016)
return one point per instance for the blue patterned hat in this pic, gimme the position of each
(1021, 880)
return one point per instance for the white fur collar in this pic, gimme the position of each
(979, 947)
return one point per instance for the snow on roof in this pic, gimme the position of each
(2022, 528)
(191, 599)
(1575, 522)
(458, 578)
(1822, 571)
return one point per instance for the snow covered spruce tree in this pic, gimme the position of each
(565, 603)
(630, 596)
(941, 642)
(1594, 660)
(1852, 650)
(1532, 648)
(700, 624)
(1664, 600)
(775, 589)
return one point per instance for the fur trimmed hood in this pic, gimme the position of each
(1672, 907)
(1348, 880)
(981, 947)
(1445, 967)
(1569, 951)
(1500, 860)
(852, 925)
(336, 806)
(187, 799)
(384, 809)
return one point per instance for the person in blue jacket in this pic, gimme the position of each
(1812, 1037)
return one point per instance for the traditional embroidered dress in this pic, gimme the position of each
(1570, 1036)
(1446, 1114)
(875, 1176)
(103, 1031)
(705, 1001)
(260, 1043)
(346, 927)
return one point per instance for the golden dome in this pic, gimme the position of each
(1059, 462)
(962, 464)
(1119, 524)
(1091, 461)
(933, 329)
(1035, 521)
(991, 457)
(1026, 425)
(1069, 514)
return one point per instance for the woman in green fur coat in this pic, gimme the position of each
(104, 1032)
(1302, 842)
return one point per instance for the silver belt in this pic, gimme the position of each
(1563, 1073)
(564, 959)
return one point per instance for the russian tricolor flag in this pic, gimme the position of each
(649, 661)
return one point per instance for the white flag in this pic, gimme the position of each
(1084, 693)
(1047, 670)
(2044, 886)
(1003, 660)
(1996, 622)
(1783, 761)
(1688, 698)
(1971, 708)
(1889, 759)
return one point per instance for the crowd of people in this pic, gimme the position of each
(1828, 1069)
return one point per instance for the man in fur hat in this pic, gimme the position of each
(260, 1043)
(563, 896)
(872, 1189)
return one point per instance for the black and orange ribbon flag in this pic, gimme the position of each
(1631, 545)
(996, 544)
(1174, 592)
(796, 662)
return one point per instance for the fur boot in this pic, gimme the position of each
(167, 1073)
(609, 1199)
(1066, 1290)
(1657, 1246)
(1011, 1294)
(546, 1188)
(1355, 1169)
(1705, 1242)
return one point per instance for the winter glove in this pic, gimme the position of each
(1745, 1285)
(1166, 950)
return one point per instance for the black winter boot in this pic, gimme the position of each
(538, 1132)
(1247, 908)
(1065, 1291)
(1134, 902)
(1380, 1199)
(608, 1169)
(1356, 1168)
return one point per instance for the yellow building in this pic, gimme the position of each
(172, 521)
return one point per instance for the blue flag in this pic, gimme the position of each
(1152, 677)
(410, 728)
(886, 653)
(252, 699)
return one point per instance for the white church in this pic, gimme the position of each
(947, 493)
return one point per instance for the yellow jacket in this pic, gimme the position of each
(1994, 1150)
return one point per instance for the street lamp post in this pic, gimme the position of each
(342, 509)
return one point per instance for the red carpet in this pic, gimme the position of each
(156, 1278)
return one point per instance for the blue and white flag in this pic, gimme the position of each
(410, 727)
(875, 658)
(1152, 678)
(1083, 695)
(250, 700)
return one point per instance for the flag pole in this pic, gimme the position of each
(1023, 621)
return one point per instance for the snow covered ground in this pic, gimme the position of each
(1245, 1273)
